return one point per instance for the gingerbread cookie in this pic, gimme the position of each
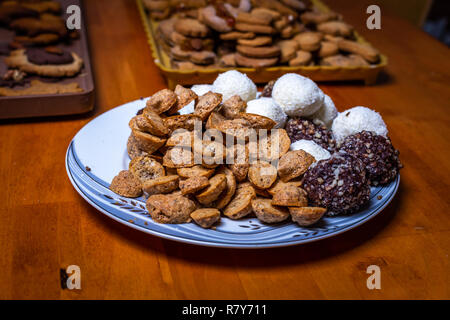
(44, 63)
(302, 58)
(209, 16)
(328, 48)
(288, 49)
(256, 42)
(309, 41)
(191, 28)
(38, 87)
(256, 28)
(244, 61)
(336, 28)
(236, 35)
(367, 52)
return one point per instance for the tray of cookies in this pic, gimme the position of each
(192, 41)
(44, 66)
(222, 165)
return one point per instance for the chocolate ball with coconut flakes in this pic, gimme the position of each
(304, 129)
(377, 153)
(338, 184)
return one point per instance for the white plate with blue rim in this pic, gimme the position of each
(98, 152)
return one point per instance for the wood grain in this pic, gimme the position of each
(45, 225)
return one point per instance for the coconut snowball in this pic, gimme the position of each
(327, 112)
(297, 96)
(232, 83)
(268, 108)
(199, 89)
(312, 148)
(355, 120)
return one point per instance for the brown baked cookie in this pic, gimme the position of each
(290, 196)
(133, 148)
(228, 60)
(257, 121)
(156, 5)
(266, 212)
(233, 107)
(193, 185)
(42, 6)
(191, 28)
(195, 171)
(166, 29)
(282, 22)
(126, 185)
(264, 12)
(192, 44)
(336, 28)
(306, 216)
(162, 101)
(316, 17)
(20, 59)
(217, 185)
(228, 193)
(278, 7)
(214, 120)
(151, 122)
(253, 18)
(256, 28)
(209, 16)
(202, 57)
(12, 10)
(259, 52)
(302, 58)
(182, 121)
(367, 52)
(244, 61)
(184, 97)
(38, 87)
(264, 149)
(170, 208)
(181, 138)
(38, 40)
(309, 40)
(46, 23)
(262, 174)
(164, 184)
(241, 204)
(288, 49)
(343, 61)
(293, 164)
(328, 48)
(178, 157)
(147, 142)
(236, 35)
(255, 42)
(279, 185)
(206, 104)
(146, 168)
(206, 217)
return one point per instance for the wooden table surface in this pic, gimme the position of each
(45, 225)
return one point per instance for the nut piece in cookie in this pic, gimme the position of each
(162, 101)
(293, 164)
(290, 196)
(126, 184)
(193, 184)
(241, 204)
(233, 107)
(164, 184)
(262, 174)
(170, 208)
(306, 216)
(206, 217)
(146, 168)
(195, 171)
(228, 193)
(206, 104)
(217, 185)
(191, 28)
(268, 213)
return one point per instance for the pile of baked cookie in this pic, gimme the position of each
(255, 33)
(35, 48)
(224, 149)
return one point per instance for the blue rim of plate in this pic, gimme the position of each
(246, 233)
